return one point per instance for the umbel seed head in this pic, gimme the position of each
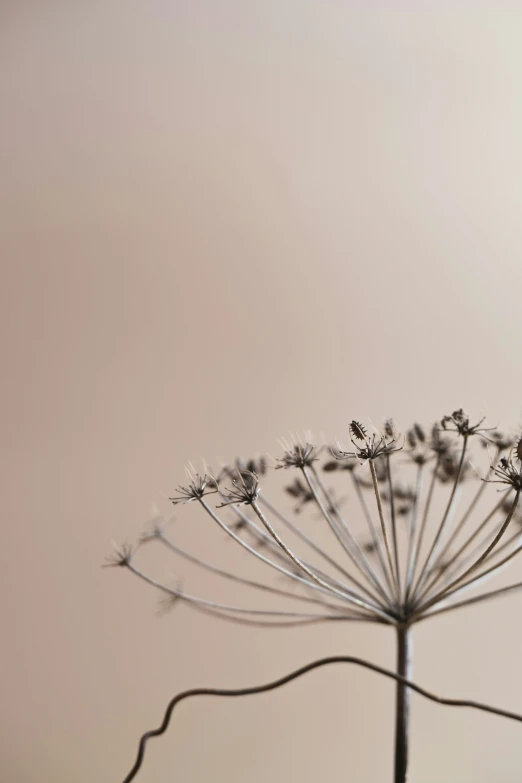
(399, 559)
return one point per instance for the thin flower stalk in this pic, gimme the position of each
(426, 569)
(179, 594)
(465, 517)
(351, 545)
(384, 530)
(393, 525)
(265, 540)
(375, 540)
(418, 540)
(457, 556)
(300, 534)
(240, 579)
(480, 559)
(412, 525)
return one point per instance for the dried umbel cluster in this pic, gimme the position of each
(432, 514)
(397, 562)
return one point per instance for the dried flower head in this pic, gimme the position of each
(244, 490)
(401, 577)
(459, 421)
(508, 471)
(257, 465)
(368, 447)
(390, 429)
(298, 455)
(420, 531)
(198, 487)
(121, 556)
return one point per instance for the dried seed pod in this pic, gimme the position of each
(357, 430)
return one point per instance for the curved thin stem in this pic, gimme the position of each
(293, 676)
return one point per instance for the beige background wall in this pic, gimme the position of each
(223, 222)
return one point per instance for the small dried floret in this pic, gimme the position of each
(419, 451)
(438, 444)
(458, 421)
(122, 556)
(169, 600)
(255, 465)
(198, 487)
(374, 446)
(458, 418)
(155, 531)
(390, 429)
(245, 489)
(507, 472)
(300, 455)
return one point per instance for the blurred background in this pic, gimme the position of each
(223, 222)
